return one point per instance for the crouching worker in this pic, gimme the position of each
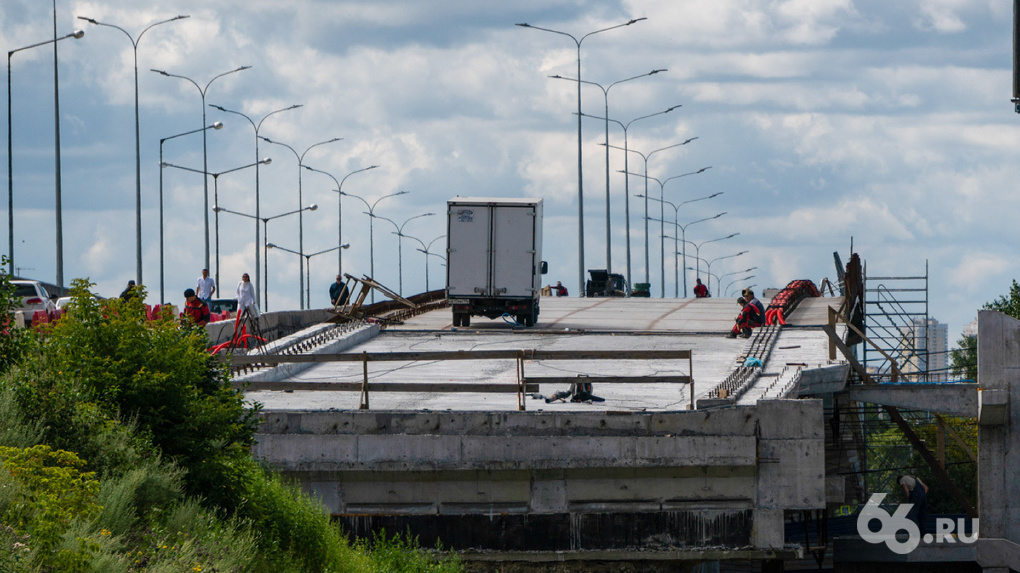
(195, 309)
(749, 317)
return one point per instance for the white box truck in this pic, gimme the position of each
(494, 258)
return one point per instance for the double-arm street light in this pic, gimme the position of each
(371, 229)
(265, 223)
(301, 220)
(339, 208)
(425, 249)
(680, 233)
(205, 155)
(138, 145)
(626, 181)
(580, 185)
(216, 198)
(646, 157)
(719, 278)
(400, 256)
(77, 34)
(215, 125)
(697, 250)
(662, 212)
(730, 284)
(605, 93)
(308, 263)
(258, 202)
(718, 285)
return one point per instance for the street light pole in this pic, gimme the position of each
(646, 157)
(626, 182)
(726, 291)
(301, 220)
(400, 255)
(308, 262)
(340, 208)
(697, 249)
(258, 202)
(425, 249)
(216, 125)
(10, 164)
(205, 154)
(677, 236)
(371, 229)
(662, 212)
(605, 93)
(580, 185)
(216, 197)
(138, 145)
(265, 223)
(720, 277)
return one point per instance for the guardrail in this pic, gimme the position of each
(523, 386)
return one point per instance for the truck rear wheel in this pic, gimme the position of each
(465, 320)
(457, 319)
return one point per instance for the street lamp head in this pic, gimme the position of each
(266, 161)
(703, 169)
(89, 20)
(523, 25)
(635, 20)
(181, 17)
(78, 34)
(271, 246)
(673, 107)
(653, 72)
(164, 164)
(313, 207)
(217, 208)
(160, 72)
(217, 125)
(345, 246)
(266, 139)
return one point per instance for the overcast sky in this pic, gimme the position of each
(826, 123)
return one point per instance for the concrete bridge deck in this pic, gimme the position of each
(567, 324)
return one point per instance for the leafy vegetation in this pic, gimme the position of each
(124, 448)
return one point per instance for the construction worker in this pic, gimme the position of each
(748, 318)
(195, 309)
(338, 292)
(748, 295)
(700, 290)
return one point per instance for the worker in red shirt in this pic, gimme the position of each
(748, 318)
(700, 290)
(195, 309)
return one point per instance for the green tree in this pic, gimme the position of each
(963, 360)
(1009, 306)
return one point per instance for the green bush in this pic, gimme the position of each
(104, 362)
(142, 435)
(13, 341)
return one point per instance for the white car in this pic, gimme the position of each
(31, 296)
(63, 301)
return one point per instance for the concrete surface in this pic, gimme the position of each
(568, 324)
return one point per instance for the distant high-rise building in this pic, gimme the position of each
(926, 350)
(971, 328)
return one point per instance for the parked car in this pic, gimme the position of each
(30, 296)
(221, 304)
(63, 302)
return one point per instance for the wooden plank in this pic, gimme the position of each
(609, 379)
(444, 388)
(239, 360)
